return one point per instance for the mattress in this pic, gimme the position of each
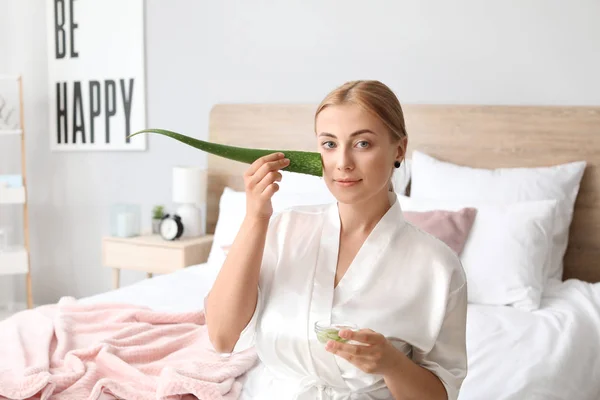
(550, 353)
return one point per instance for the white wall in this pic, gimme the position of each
(202, 53)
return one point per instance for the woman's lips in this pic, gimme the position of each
(347, 182)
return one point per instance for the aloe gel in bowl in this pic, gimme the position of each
(329, 331)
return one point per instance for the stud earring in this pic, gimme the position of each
(397, 164)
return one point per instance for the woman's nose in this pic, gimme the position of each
(344, 160)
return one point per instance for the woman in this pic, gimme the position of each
(355, 261)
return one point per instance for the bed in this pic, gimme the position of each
(548, 352)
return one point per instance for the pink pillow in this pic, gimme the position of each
(451, 227)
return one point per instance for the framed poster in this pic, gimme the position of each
(96, 74)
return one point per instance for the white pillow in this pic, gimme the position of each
(507, 249)
(232, 210)
(401, 177)
(432, 178)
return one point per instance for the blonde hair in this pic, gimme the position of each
(375, 97)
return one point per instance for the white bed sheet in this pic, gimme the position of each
(179, 291)
(551, 353)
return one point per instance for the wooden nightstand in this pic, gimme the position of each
(152, 254)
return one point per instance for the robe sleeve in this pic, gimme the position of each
(267, 270)
(447, 359)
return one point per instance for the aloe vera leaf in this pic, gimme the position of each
(303, 162)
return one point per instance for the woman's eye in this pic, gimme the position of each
(363, 144)
(328, 144)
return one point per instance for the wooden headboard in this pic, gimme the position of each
(476, 136)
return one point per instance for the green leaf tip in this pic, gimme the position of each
(303, 162)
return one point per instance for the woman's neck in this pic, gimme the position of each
(361, 218)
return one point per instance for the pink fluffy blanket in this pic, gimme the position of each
(73, 351)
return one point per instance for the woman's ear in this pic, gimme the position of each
(402, 147)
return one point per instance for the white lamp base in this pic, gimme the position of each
(191, 217)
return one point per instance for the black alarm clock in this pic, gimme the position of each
(171, 227)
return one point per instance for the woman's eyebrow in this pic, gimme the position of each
(358, 132)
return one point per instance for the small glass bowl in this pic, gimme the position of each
(326, 331)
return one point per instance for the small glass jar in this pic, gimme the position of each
(125, 220)
(327, 331)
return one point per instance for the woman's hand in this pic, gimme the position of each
(260, 183)
(374, 355)
(377, 355)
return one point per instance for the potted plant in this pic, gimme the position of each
(158, 212)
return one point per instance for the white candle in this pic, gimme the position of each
(125, 224)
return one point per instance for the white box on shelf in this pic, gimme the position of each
(13, 260)
(12, 195)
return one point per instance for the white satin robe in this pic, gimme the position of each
(403, 283)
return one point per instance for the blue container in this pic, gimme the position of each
(125, 220)
(11, 181)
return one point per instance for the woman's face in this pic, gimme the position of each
(357, 151)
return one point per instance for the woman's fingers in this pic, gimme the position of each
(355, 350)
(266, 169)
(364, 336)
(269, 179)
(270, 190)
(261, 161)
(260, 182)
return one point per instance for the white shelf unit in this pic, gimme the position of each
(11, 132)
(16, 260)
